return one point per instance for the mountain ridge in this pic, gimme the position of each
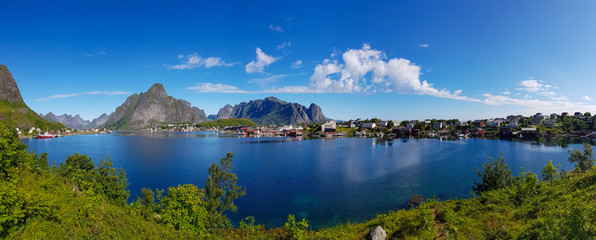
(153, 108)
(273, 111)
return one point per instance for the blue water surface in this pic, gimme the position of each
(327, 181)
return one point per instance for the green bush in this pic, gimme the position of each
(295, 230)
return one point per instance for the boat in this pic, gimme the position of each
(45, 135)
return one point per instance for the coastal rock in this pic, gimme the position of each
(273, 111)
(9, 91)
(376, 233)
(153, 108)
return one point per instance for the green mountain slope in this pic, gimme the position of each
(273, 111)
(14, 110)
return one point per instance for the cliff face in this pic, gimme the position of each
(272, 111)
(14, 110)
(153, 108)
(9, 91)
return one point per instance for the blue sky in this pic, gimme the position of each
(356, 59)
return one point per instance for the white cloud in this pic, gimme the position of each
(276, 28)
(215, 88)
(58, 96)
(284, 45)
(261, 62)
(386, 75)
(297, 64)
(194, 60)
(539, 87)
(269, 79)
(587, 98)
(424, 45)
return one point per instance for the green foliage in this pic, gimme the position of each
(495, 175)
(248, 225)
(228, 122)
(295, 230)
(19, 114)
(183, 208)
(549, 171)
(104, 179)
(585, 160)
(526, 186)
(145, 205)
(221, 190)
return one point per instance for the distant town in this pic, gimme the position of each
(564, 125)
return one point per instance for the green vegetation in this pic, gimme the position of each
(495, 175)
(584, 160)
(78, 200)
(19, 115)
(228, 122)
(124, 122)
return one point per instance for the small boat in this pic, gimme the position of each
(45, 135)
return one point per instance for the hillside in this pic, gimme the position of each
(273, 111)
(153, 108)
(228, 122)
(79, 200)
(13, 109)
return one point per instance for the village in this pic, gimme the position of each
(564, 125)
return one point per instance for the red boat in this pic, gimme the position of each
(45, 135)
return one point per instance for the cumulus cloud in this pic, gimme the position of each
(364, 70)
(587, 98)
(58, 96)
(263, 60)
(297, 64)
(284, 45)
(276, 28)
(194, 60)
(368, 70)
(424, 45)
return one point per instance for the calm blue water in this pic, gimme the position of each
(325, 181)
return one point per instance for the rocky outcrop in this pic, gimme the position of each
(272, 111)
(9, 91)
(226, 112)
(153, 108)
(376, 233)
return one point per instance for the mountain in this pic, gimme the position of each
(272, 111)
(14, 110)
(153, 108)
(9, 91)
(100, 120)
(69, 121)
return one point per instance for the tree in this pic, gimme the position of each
(390, 124)
(183, 208)
(549, 171)
(112, 182)
(495, 175)
(221, 190)
(584, 161)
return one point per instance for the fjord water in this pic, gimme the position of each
(327, 181)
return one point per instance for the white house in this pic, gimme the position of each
(439, 125)
(513, 123)
(369, 125)
(330, 126)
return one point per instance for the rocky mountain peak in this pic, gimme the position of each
(157, 90)
(9, 91)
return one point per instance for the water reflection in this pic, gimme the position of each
(326, 181)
